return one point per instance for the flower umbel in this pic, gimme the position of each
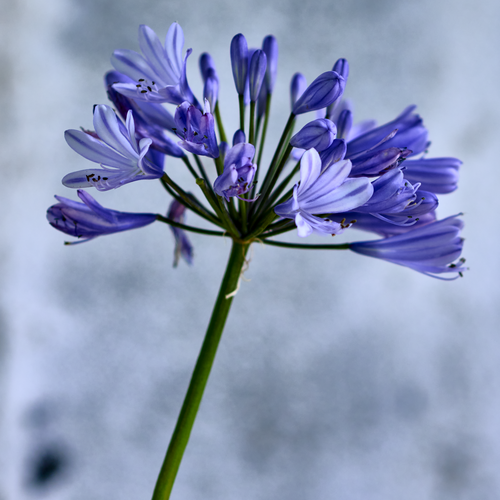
(332, 174)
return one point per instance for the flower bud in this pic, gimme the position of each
(318, 134)
(239, 62)
(322, 92)
(238, 137)
(297, 87)
(344, 124)
(257, 72)
(270, 47)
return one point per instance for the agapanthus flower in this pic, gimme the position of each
(152, 120)
(115, 147)
(89, 219)
(183, 247)
(160, 72)
(323, 192)
(439, 175)
(405, 131)
(376, 176)
(238, 174)
(432, 249)
(196, 129)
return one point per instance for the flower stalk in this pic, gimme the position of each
(201, 372)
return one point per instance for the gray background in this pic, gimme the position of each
(339, 376)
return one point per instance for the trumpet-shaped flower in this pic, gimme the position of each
(196, 129)
(238, 174)
(122, 157)
(324, 192)
(439, 175)
(431, 249)
(89, 219)
(151, 119)
(160, 72)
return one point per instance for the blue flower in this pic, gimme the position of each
(397, 201)
(431, 249)
(151, 119)
(160, 72)
(183, 247)
(406, 131)
(439, 175)
(196, 129)
(89, 219)
(238, 174)
(115, 147)
(323, 192)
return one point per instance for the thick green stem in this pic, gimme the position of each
(201, 373)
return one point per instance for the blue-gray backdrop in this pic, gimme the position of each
(339, 376)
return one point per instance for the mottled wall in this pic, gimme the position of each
(338, 376)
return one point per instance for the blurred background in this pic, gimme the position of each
(338, 376)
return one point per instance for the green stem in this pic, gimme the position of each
(188, 200)
(186, 161)
(218, 205)
(251, 139)
(193, 229)
(261, 145)
(201, 373)
(202, 169)
(266, 186)
(241, 101)
(342, 246)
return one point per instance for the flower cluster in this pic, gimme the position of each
(332, 174)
